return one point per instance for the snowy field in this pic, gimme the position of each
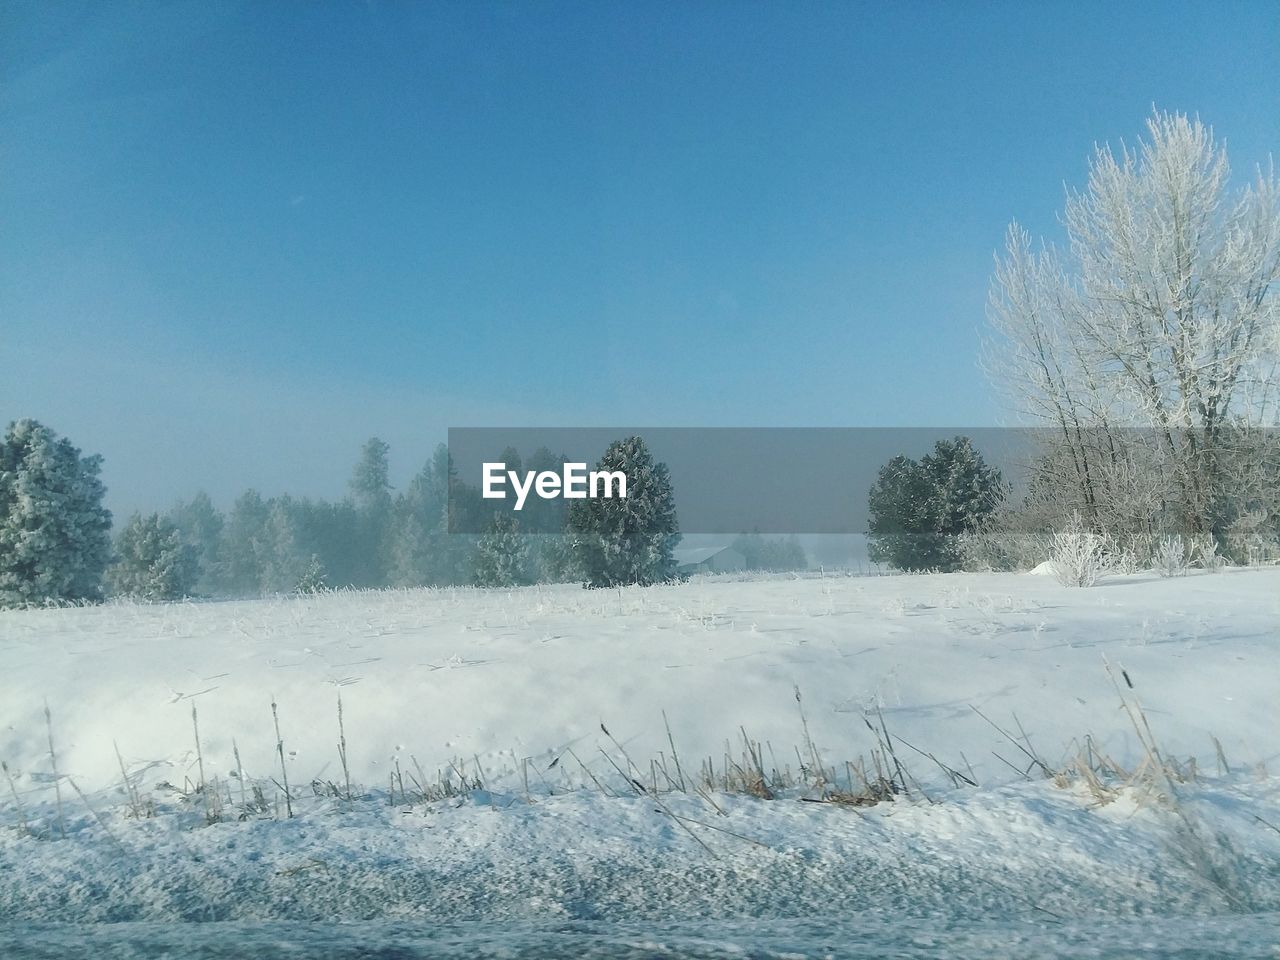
(558, 855)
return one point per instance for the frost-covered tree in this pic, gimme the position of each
(623, 540)
(544, 515)
(919, 509)
(554, 558)
(901, 527)
(325, 532)
(55, 536)
(1148, 344)
(770, 553)
(371, 489)
(286, 544)
(371, 478)
(201, 525)
(423, 551)
(284, 547)
(502, 554)
(313, 579)
(243, 546)
(152, 561)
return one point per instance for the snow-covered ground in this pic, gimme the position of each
(482, 680)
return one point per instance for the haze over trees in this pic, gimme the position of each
(1148, 344)
(770, 554)
(56, 544)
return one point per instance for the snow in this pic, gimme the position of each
(447, 674)
(494, 677)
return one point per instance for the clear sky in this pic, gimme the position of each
(236, 240)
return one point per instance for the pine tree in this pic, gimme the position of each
(54, 531)
(423, 551)
(371, 478)
(285, 553)
(776, 554)
(501, 555)
(917, 508)
(201, 525)
(624, 540)
(966, 489)
(153, 561)
(554, 558)
(371, 489)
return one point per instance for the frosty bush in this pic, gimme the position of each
(1171, 556)
(54, 531)
(313, 578)
(1204, 551)
(1078, 554)
(628, 540)
(997, 549)
(152, 562)
(1253, 538)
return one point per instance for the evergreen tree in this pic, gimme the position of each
(285, 554)
(313, 578)
(325, 532)
(371, 489)
(624, 540)
(54, 531)
(501, 555)
(967, 490)
(201, 524)
(554, 558)
(153, 561)
(917, 508)
(774, 554)
(542, 516)
(371, 478)
(242, 546)
(423, 551)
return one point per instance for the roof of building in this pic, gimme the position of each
(694, 555)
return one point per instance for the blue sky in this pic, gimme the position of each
(236, 240)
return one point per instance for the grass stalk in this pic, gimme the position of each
(284, 774)
(57, 779)
(23, 829)
(342, 749)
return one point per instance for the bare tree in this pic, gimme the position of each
(1149, 344)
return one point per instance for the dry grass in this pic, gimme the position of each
(746, 767)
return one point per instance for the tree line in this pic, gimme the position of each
(56, 541)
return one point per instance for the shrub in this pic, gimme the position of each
(1078, 554)
(1171, 556)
